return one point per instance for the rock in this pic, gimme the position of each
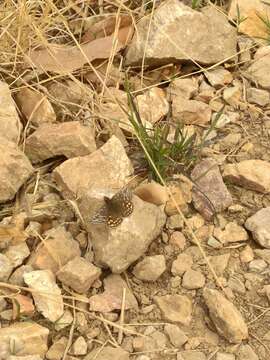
(218, 77)
(191, 355)
(46, 293)
(225, 356)
(117, 248)
(229, 141)
(57, 349)
(78, 274)
(111, 298)
(182, 263)
(70, 139)
(177, 337)
(152, 105)
(258, 70)
(178, 240)
(227, 319)
(236, 285)
(58, 249)
(175, 222)
(110, 75)
(183, 88)
(258, 224)
(257, 265)
(174, 20)
(258, 96)
(15, 169)
(108, 353)
(219, 263)
(180, 196)
(232, 233)
(27, 357)
(175, 308)
(251, 174)
(79, 347)
(65, 320)
(35, 106)
(152, 192)
(247, 353)
(10, 125)
(232, 95)
(247, 254)
(6, 267)
(190, 111)
(150, 268)
(25, 305)
(262, 253)
(23, 338)
(210, 195)
(17, 276)
(17, 253)
(193, 280)
(106, 168)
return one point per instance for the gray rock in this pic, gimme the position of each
(258, 224)
(150, 268)
(227, 319)
(174, 20)
(210, 195)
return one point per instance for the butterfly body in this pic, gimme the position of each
(115, 209)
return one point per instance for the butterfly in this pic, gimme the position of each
(115, 209)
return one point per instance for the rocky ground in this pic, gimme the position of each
(184, 273)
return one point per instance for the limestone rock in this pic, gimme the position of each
(172, 24)
(247, 353)
(35, 106)
(15, 169)
(191, 111)
(258, 96)
(191, 355)
(210, 195)
(46, 294)
(263, 254)
(106, 168)
(27, 338)
(79, 347)
(79, 274)
(175, 308)
(225, 356)
(10, 125)
(257, 265)
(58, 248)
(193, 280)
(6, 267)
(108, 353)
(70, 139)
(259, 225)
(150, 268)
(17, 253)
(57, 349)
(117, 248)
(177, 336)
(17, 276)
(232, 233)
(183, 88)
(152, 192)
(258, 70)
(227, 319)
(111, 298)
(218, 77)
(181, 264)
(219, 263)
(247, 254)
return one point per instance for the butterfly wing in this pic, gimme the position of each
(124, 200)
(114, 221)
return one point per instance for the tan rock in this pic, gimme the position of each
(176, 335)
(106, 168)
(232, 95)
(232, 233)
(17, 253)
(150, 268)
(57, 349)
(169, 38)
(70, 139)
(108, 353)
(109, 73)
(258, 96)
(6, 267)
(58, 248)
(219, 263)
(10, 125)
(27, 357)
(258, 224)
(79, 347)
(180, 195)
(27, 338)
(17, 276)
(46, 293)
(191, 111)
(178, 239)
(227, 319)
(175, 308)
(258, 70)
(15, 169)
(35, 107)
(118, 247)
(184, 88)
(193, 280)
(246, 255)
(26, 306)
(181, 264)
(152, 192)
(251, 174)
(111, 298)
(78, 274)
(218, 77)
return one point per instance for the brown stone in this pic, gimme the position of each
(175, 308)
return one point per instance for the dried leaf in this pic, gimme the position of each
(64, 59)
